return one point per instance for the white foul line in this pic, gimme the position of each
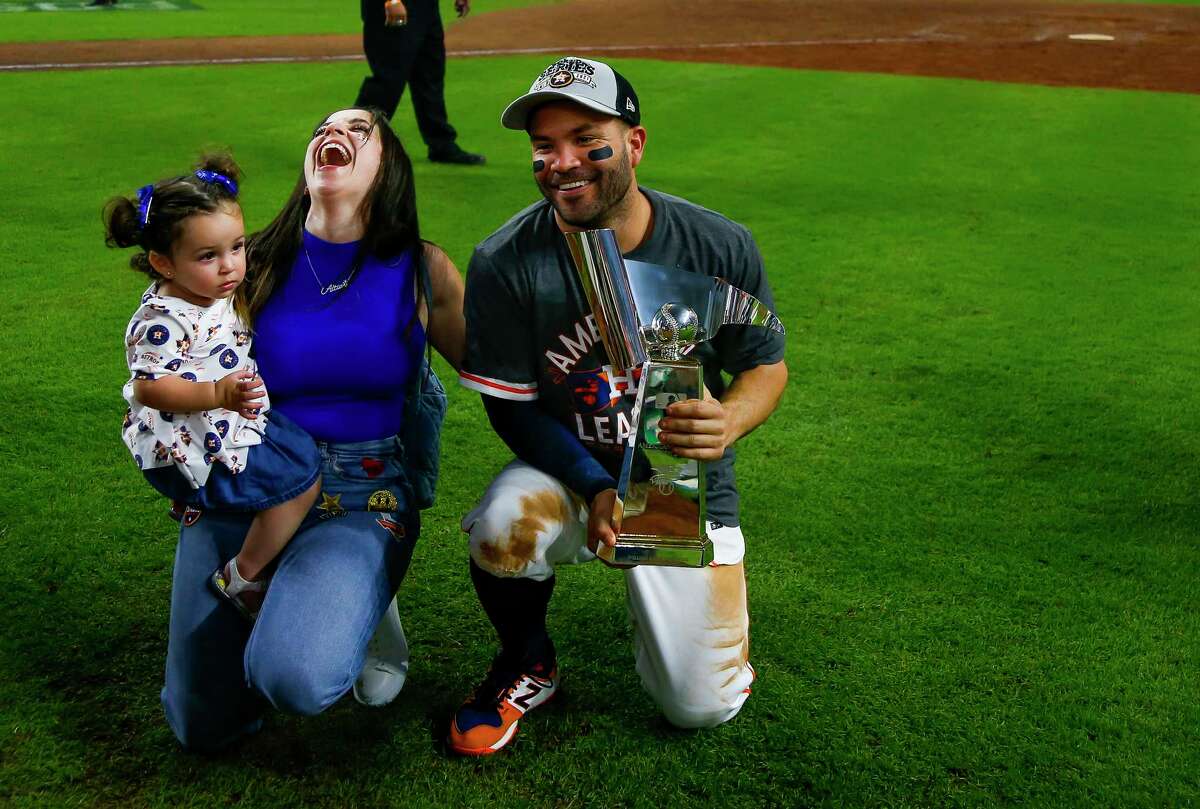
(790, 43)
(234, 60)
(355, 57)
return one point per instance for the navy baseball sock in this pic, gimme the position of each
(517, 609)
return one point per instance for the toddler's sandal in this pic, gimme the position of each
(245, 596)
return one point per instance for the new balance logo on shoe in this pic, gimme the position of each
(522, 700)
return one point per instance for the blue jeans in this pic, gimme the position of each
(329, 589)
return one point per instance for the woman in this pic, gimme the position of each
(340, 324)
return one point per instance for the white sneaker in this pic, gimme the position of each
(386, 666)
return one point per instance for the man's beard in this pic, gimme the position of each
(611, 186)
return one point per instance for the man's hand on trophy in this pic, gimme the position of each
(602, 526)
(603, 523)
(697, 428)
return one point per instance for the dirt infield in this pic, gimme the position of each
(1152, 47)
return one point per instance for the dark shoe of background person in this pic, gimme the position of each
(456, 154)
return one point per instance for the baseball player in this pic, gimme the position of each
(533, 351)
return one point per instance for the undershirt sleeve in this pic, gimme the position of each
(545, 444)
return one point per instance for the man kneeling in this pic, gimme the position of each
(533, 354)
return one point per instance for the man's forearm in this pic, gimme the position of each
(752, 397)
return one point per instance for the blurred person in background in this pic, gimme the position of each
(405, 45)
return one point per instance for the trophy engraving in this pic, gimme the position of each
(649, 319)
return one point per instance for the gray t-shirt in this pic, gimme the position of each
(531, 335)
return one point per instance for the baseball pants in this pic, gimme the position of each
(690, 626)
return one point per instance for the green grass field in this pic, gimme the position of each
(972, 524)
(229, 18)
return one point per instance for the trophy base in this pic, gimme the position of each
(666, 551)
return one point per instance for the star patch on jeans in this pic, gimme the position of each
(331, 506)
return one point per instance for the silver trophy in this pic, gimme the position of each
(649, 319)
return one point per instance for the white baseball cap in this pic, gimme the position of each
(593, 84)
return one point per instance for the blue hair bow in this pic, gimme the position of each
(145, 196)
(217, 177)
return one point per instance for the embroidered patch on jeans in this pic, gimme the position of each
(331, 506)
(392, 527)
(382, 500)
(190, 515)
(187, 515)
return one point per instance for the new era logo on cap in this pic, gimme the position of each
(593, 84)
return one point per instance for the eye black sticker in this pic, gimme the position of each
(603, 153)
(538, 165)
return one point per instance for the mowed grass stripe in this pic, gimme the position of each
(971, 524)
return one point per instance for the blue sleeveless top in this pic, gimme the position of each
(339, 364)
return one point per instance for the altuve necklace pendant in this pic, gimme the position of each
(326, 289)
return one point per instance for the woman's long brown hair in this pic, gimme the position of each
(389, 211)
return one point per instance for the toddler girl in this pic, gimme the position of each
(197, 422)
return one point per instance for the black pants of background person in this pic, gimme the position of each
(412, 55)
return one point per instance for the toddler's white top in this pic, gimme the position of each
(169, 336)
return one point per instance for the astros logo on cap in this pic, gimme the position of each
(561, 79)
